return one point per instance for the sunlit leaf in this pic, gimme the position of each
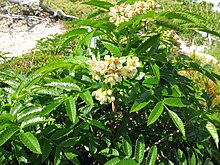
(7, 134)
(139, 148)
(155, 113)
(112, 161)
(97, 3)
(34, 121)
(64, 85)
(177, 121)
(142, 101)
(151, 156)
(71, 108)
(87, 97)
(112, 48)
(213, 132)
(31, 142)
(52, 106)
(28, 112)
(176, 102)
(71, 156)
(127, 146)
(109, 152)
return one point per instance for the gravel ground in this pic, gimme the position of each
(19, 37)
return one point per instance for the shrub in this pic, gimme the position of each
(121, 101)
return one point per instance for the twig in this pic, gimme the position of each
(163, 139)
(13, 16)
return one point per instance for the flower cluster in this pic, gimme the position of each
(104, 96)
(123, 13)
(112, 70)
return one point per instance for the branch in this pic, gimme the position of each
(13, 16)
(56, 14)
(163, 139)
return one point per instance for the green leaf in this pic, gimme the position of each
(127, 162)
(7, 134)
(155, 113)
(28, 113)
(31, 142)
(64, 85)
(182, 157)
(86, 40)
(209, 31)
(70, 142)
(47, 91)
(176, 15)
(55, 65)
(6, 116)
(4, 124)
(206, 72)
(112, 161)
(142, 101)
(156, 70)
(121, 129)
(101, 126)
(67, 41)
(52, 106)
(151, 156)
(34, 121)
(127, 146)
(147, 44)
(213, 132)
(87, 97)
(93, 144)
(29, 82)
(191, 156)
(208, 162)
(96, 13)
(71, 108)
(176, 102)
(150, 80)
(58, 156)
(74, 32)
(46, 149)
(177, 121)
(139, 149)
(112, 48)
(19, 150)
(16, 109)
(71, 156)
(101, 4)
(60, 133)
(109, 152)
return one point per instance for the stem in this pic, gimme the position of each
(113, 108)
(129, 39)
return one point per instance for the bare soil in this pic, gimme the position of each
(18, 37)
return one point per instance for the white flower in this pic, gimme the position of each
(133, 62)
(104, 96)
(128, 72)
(99, 67)
(114, 63)
(112, 79)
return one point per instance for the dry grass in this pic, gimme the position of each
(203, 81)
